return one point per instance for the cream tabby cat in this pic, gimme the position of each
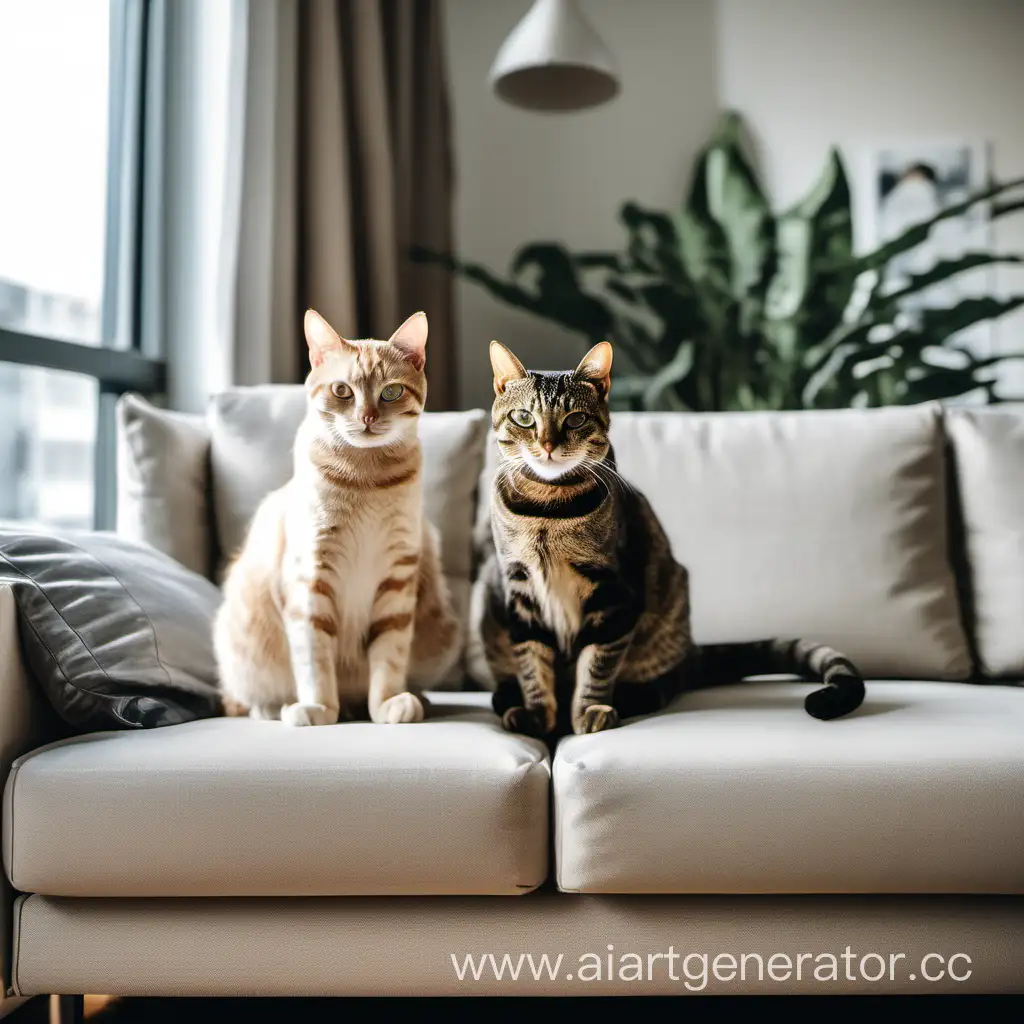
(336, 605)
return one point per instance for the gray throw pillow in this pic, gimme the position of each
(117, 634)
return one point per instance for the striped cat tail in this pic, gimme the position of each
(842, 693)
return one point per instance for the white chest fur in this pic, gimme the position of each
(559, 594)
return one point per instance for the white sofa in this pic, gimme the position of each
(234, 857)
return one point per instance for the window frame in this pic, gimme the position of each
(129, 356)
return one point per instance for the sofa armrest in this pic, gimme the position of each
(26, 722)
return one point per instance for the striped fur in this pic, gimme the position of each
(336, 605)
(581, 616)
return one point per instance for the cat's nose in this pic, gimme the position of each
(549, 446)
(370, 416)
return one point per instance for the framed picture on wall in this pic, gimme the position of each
(912, 181)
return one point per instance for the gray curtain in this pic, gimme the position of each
(346, 163)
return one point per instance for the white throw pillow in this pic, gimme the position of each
(163, 481)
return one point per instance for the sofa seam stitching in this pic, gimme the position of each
(13, 781)
(557, 824)
(16, 952)
(530, 767)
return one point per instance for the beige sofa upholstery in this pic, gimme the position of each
(415, 946)
(26, 721)
(229, 807)
(733, 790)
(234, 857)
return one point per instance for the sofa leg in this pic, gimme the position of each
(70, 1009)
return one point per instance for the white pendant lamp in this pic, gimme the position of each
(554, 60)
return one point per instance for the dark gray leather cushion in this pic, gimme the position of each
(117, 634)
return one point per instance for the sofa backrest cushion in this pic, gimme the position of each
(988, 453)
(826, 525)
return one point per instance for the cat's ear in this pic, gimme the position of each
(505, 366)
(411, 339)
(321, 337)
(596, 366)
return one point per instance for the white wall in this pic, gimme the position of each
(805, 73)
(526, 177)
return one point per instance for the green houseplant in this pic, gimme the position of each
(728, 305)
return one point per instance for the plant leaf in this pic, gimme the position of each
(814, 239)
(735, 200)
(702, 242)
(556, 294)
(659, 387)
(1002, 209)
(623, 291)
(888, 303)
(939, 383)
(810, 292)
(905, 349)
(918, 233)
(606, 260)
(653, 241)
(941, 323)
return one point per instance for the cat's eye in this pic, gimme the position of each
(522, 417)
(392, 392)
(341, 390)
(574, 420)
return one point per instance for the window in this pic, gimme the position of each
(47, 446)
(73, 83)
(54, 85)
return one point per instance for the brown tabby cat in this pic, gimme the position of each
(336, 604)
(581, 616)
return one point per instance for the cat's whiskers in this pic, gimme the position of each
(510, 475)
(615, 476)
(597, 479)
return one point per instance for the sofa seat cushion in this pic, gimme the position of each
(737, 790)
(233, 807)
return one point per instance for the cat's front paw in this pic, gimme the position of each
(402, 708)
(308, 714)
(536, 722)
(595, 718)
